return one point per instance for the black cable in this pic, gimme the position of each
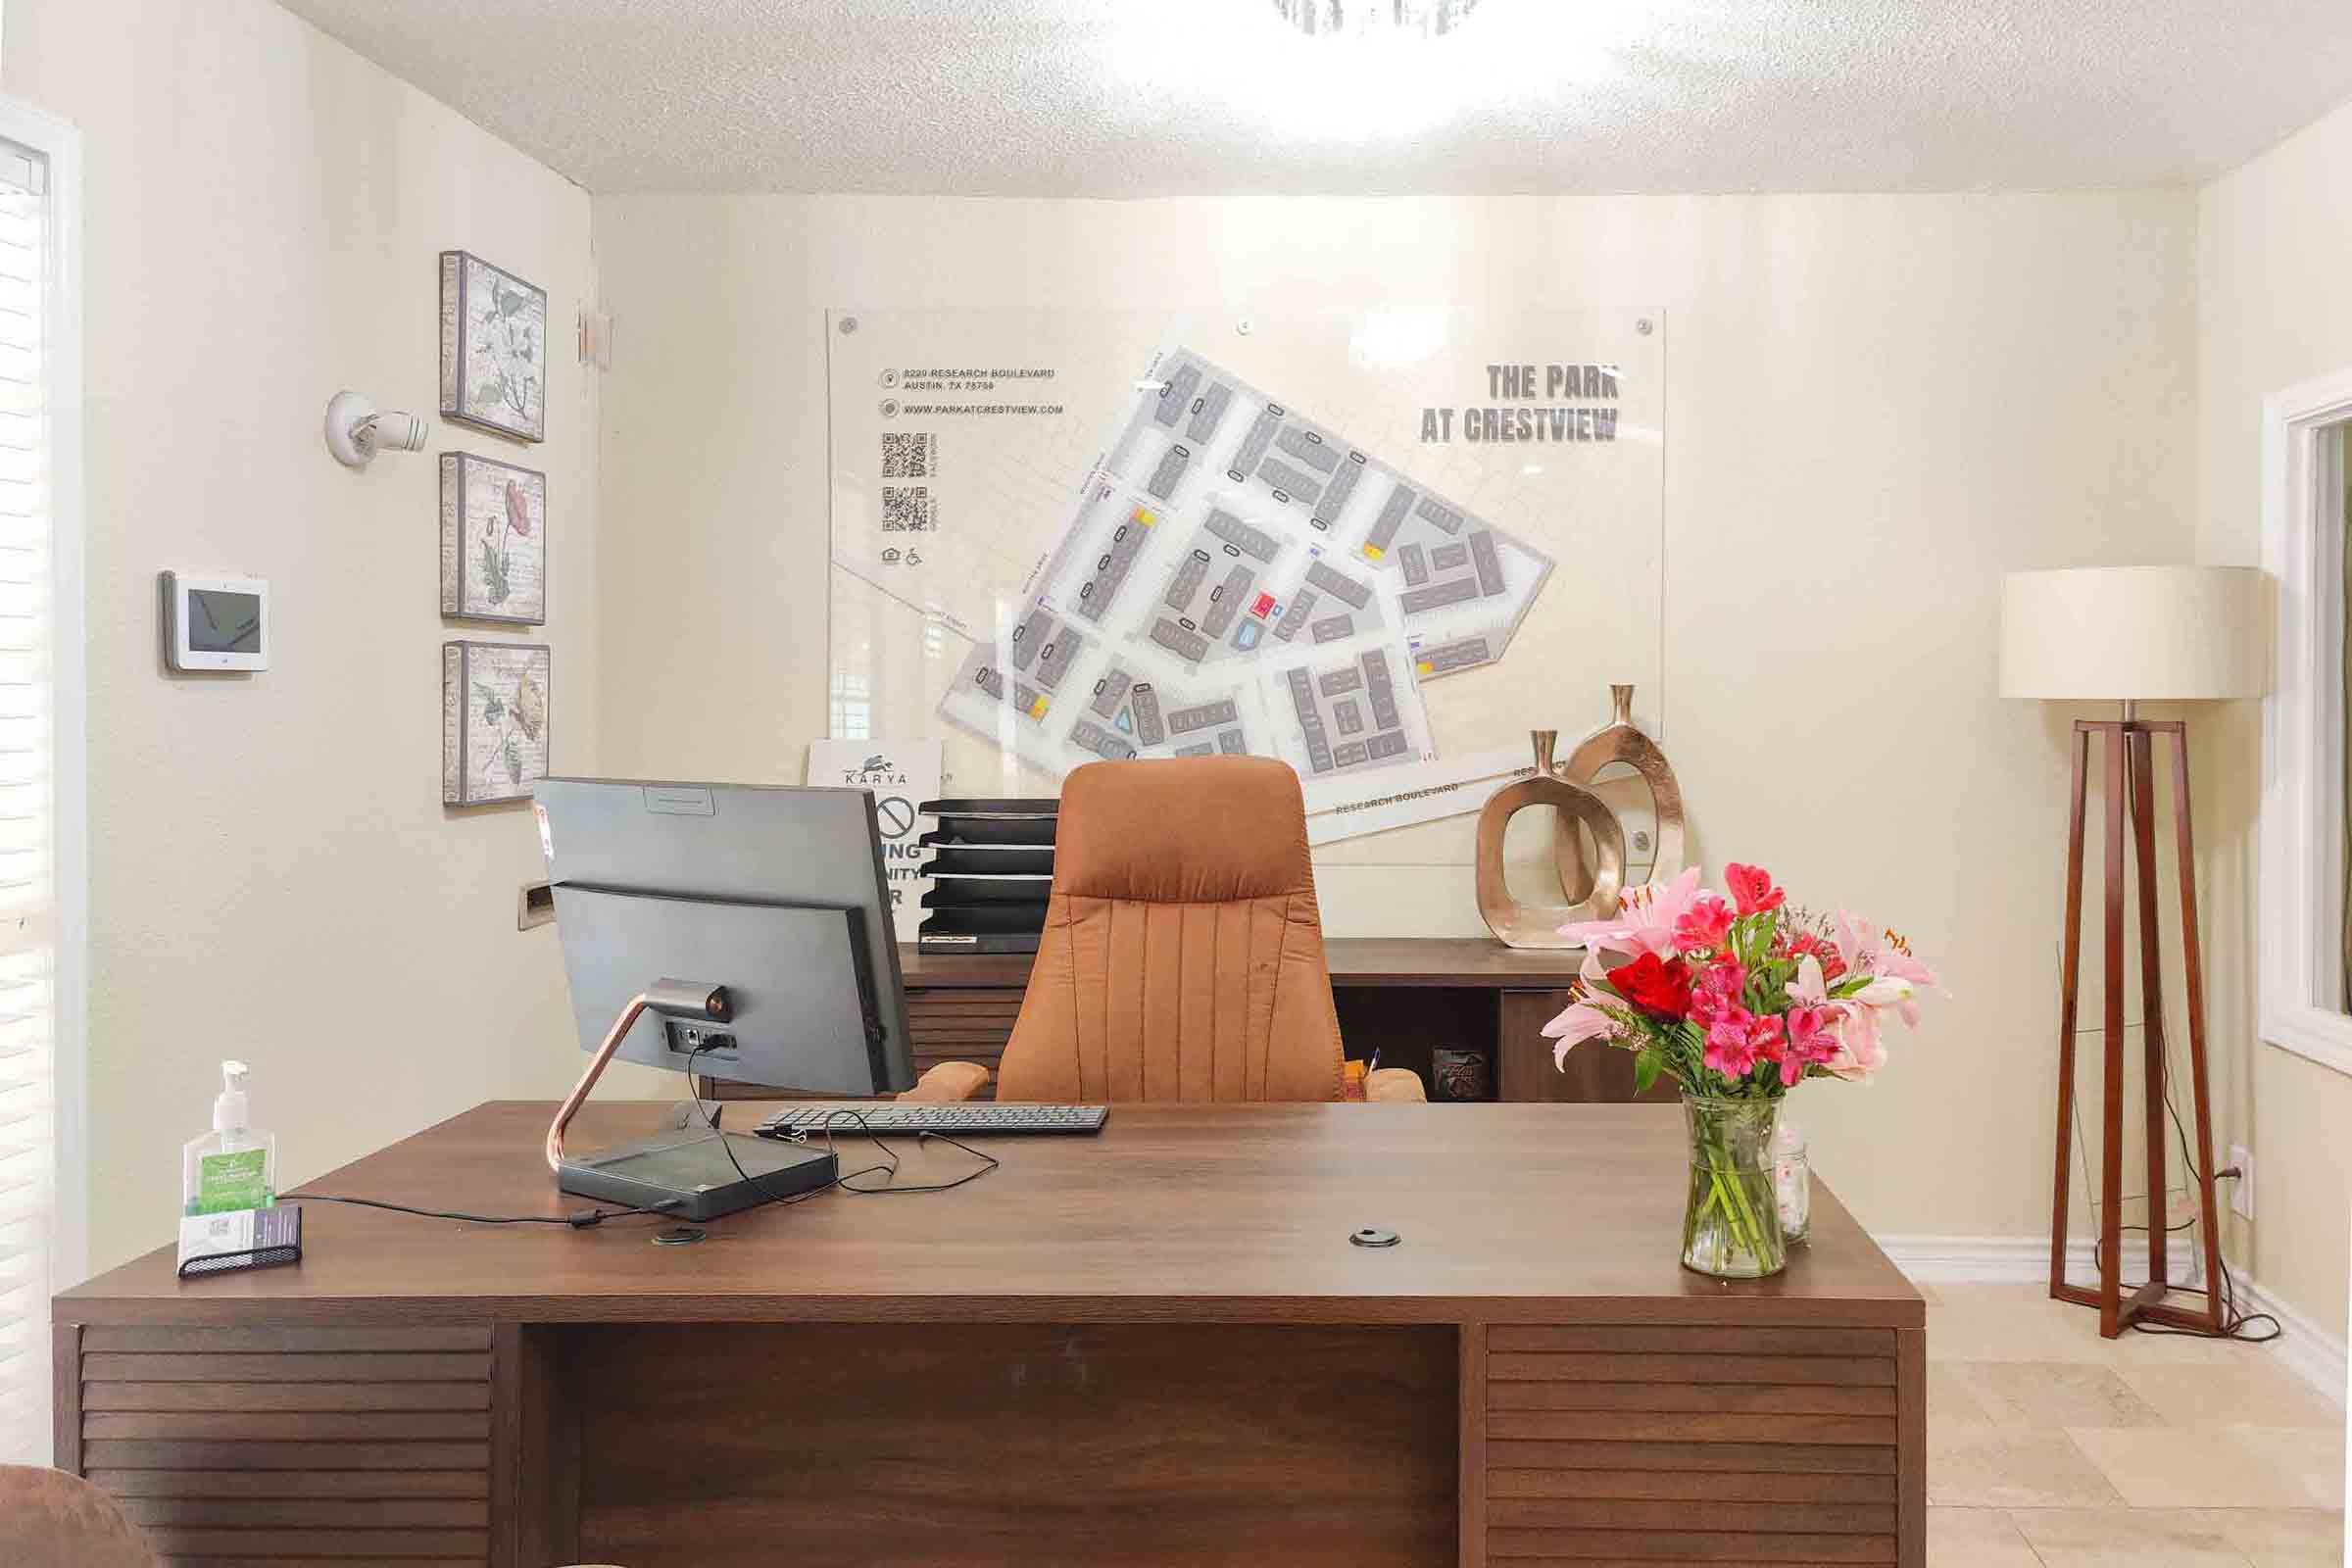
(889, 1165)
(2234, 1322)
(579, 1220)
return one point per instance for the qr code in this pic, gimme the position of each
(909, 454)
(907, 508)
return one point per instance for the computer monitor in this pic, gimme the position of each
(747, 932)
(777, 894)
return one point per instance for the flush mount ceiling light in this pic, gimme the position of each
(1375, 19)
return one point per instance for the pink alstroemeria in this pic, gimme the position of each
(1737, 1038)
(1751, 888)
(1644, 923)
(1703, 925)
(1717, 989)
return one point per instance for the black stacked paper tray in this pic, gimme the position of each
(991, 866)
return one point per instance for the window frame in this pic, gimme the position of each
(2299, 746)
(59, 143)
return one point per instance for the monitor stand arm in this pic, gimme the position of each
(673, 999)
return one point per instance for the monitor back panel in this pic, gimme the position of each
(732, 842)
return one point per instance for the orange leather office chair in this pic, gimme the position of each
(1182, 957)
(49, 1519)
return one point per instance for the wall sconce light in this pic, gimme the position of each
(356, 431)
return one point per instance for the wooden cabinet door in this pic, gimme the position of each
(1595, 1073)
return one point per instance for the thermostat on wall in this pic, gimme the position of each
(215, 623)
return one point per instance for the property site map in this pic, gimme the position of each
(1381, 546)
(1240, 578)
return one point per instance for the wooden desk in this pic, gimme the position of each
(1396, 996)
(1156, 1347)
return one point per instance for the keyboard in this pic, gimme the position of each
(905, 1118)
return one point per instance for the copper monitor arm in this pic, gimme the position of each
(673, 999)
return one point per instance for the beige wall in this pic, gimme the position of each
(1875, 407)
(273, 875)
(2275, 264)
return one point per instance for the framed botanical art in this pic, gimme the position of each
(493, 348)
(496, 705)
(492, 540)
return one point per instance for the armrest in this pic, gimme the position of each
(948, 1082)
(1394, 1084)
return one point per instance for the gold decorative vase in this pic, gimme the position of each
(1524, 925)
(1620, 741)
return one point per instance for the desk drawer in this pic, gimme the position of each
(1686, 1443)
(315, 1443)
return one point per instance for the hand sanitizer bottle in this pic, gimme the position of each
(233, 1166)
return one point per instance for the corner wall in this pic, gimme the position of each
(1876, 406)
(273, 875)
(2275, 292)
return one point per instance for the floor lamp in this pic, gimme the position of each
(2133, 634)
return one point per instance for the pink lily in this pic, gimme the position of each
(1579, 1022)
(1647, 921)
(1860, 1055)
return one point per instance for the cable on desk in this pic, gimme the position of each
(579, 1220)
(888, 1166)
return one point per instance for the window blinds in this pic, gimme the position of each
(29, 1210)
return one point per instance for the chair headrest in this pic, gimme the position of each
(1187, 830)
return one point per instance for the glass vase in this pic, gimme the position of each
(1732, 1217)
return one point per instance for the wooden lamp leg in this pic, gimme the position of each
(2143, 789)
(2193, 957)
(2069, 989)
(2111, 1102)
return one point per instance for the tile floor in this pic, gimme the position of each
(2050, 1448)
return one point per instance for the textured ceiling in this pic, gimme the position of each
(1202, 97)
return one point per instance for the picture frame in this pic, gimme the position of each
(492, 540)
(497, 720)
(493, 348)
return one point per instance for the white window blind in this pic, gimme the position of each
(41, 867)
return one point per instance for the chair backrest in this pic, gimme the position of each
(49, 1519)
(1183, 954)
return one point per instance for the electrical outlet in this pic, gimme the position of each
(2241, 1191)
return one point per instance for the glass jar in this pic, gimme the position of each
(1730, 1216)
(1793, 1182)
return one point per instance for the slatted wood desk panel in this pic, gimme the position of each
(1155, 1346)
(1396, 996)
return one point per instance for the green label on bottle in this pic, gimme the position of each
(225, 1182)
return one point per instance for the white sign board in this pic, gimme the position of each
(903, 776)
(1381, 547)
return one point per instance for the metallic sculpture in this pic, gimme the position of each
(1620, 741)
(1522, 925)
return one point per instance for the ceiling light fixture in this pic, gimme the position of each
(1375, 19)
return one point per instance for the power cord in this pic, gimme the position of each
(589, 1218)
(579, 1220)
(2236, 1322)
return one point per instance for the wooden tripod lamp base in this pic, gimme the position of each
(2136, 634)
(2128, 762)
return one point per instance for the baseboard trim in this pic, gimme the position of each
(2014, 1259)
(2305, 1348)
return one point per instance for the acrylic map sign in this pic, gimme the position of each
(1379, 547)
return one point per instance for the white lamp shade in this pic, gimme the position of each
(2136, 633)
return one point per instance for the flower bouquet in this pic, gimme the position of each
(1737, 1000)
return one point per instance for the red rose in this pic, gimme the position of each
(1654, 985)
